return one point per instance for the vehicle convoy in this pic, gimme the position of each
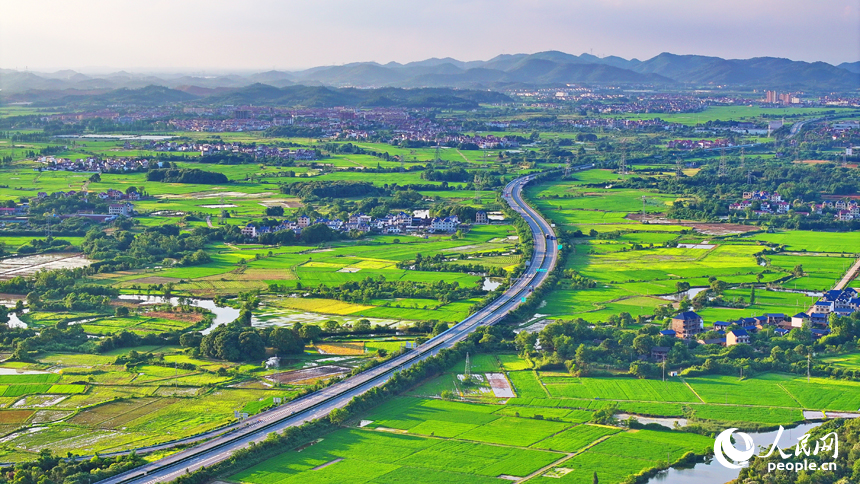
(319, 404)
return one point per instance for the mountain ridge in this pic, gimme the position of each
(540, 69)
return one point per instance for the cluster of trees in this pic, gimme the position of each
(59, 290)
(439, 262)
(379, 288)
(48, 244)
(456, 174)
(186, 175)
(124, 250)
(845, 458)
(464, 213)
(313, 190)
(26, 343)
(315, 234)
(238, 341)
(577, 280)
(794, 182)
(583, 348)
(53, 469)
(56, 204)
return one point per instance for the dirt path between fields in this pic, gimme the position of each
(848, 276)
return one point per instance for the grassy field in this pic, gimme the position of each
(395, 456)
(431, 439)
(121, 408)
(633, 263)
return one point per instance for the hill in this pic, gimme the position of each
(541, 69)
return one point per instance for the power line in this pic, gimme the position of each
(722, 171)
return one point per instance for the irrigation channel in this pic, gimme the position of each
(319, 404)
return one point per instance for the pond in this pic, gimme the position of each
(262, 318)
(223, 315)
(491, 284)
(690, 293)
(712, 472)
(11, 267)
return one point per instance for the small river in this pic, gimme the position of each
(712, 472)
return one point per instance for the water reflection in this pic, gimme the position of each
(712, 472)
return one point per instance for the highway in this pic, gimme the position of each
(322, 402)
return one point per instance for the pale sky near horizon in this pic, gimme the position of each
(220, 35)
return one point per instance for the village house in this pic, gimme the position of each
(687, 325)
(124, 209)
(481, 217)
(799, 319)
(444, 224)
(659, 353)
(737, 336)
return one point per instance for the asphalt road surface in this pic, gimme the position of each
(222, 443)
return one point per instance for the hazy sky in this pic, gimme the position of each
(216, 35)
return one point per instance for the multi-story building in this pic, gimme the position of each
(687, 325)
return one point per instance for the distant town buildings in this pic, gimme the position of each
(785, 98)
(764, 203)
(839, 302)
(689, 144)
(400, 223)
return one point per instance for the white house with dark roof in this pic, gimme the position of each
(736, 337)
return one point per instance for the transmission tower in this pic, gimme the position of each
(722, 171)
(468, 372)
(622, 166)
(477, 187)
(438, 153)
(679, 167)
(844, 160)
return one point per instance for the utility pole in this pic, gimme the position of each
(808, 367)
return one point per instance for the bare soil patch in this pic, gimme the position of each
(282, 202)
(705, 228)
(156, 280)
(308, 374)
(184, 317)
